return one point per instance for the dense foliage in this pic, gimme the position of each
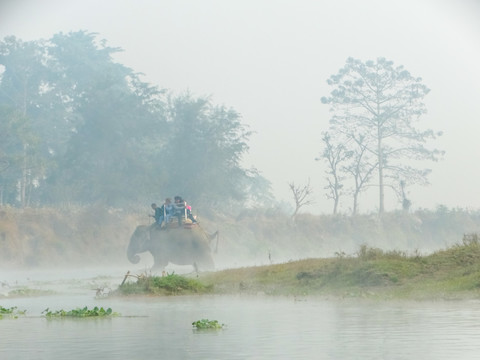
(78, 127)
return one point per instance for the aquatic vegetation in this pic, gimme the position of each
(170, 284)
(80, 312)
(207, 324)
(12, 312)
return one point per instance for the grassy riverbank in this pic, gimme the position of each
(449, 274)
(453, 273)
(401, 257)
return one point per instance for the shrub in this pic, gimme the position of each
(171, 284)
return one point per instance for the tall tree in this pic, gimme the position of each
(382, 103)
(204, 152)
(22, 86)
(114, 113)
(22, 81)
(103, 135)
(258, 189)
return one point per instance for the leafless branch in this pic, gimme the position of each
(301, 196)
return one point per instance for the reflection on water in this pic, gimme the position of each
(257, 328)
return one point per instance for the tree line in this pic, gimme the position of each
(79, 128)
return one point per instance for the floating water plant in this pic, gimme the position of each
(80, 312)
(207, 324)
(12, 312)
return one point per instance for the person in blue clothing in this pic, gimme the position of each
(163, 213)
(167, 210)
(158, 215)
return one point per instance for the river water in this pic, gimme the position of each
(256, 327)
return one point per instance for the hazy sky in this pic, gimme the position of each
(270, 59)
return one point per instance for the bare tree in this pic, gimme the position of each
(361, 167)
(301, 196)
(335, 154)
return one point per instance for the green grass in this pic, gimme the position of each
(451, 273)
(171, 284)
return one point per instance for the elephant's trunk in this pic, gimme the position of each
(133, 258)
(132, 254)
(137, 244)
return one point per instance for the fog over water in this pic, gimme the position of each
(270, 60)
(256, 327)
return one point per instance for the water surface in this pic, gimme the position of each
(257, 327)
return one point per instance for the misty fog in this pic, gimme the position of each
(295, 129)
(274, 71)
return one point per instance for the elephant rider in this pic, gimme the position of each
(158, 216)
(167, 210)
(182, 210)
(164, 212)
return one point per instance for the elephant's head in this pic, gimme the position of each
(138, 243)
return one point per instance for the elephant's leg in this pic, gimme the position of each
(159, 264)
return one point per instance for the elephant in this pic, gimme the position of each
(179, 246)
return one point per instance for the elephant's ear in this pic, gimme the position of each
(211, 237)
(148, 233)
(216, 235)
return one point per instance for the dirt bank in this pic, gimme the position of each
(32, 238)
